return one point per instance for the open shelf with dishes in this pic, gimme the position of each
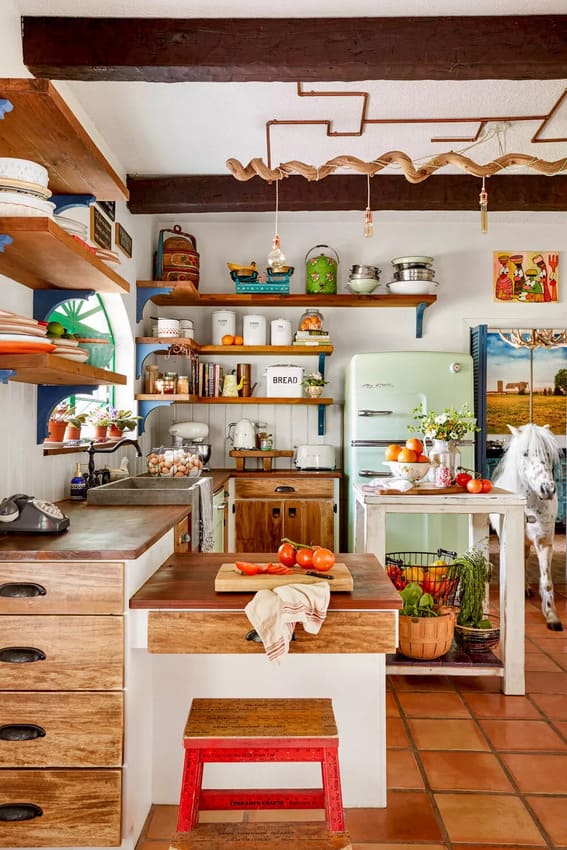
(50, 369)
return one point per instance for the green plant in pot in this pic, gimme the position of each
(474, 630)
(425, 630)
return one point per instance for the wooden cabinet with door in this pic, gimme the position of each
(263, 510)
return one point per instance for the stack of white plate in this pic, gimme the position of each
(75, 228)
(23, 188)
(412, 276)
(69, 349)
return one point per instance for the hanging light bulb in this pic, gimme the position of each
(483, 209)
(368, 223)
(276, 257)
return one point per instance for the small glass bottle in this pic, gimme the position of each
(183, 385)
(150, 377)
(78, 486)
(167, 384)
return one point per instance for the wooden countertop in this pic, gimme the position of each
(97, 533)
(186, 582)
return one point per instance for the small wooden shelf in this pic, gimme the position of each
(41, 127)
(54, 370)
(294, 350)
(193, 399)
(44, 256)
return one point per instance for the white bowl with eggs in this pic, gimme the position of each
(413, 472)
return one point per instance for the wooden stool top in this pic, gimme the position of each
(261, 718)
(261, 836)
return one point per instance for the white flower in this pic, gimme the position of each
(441, 419)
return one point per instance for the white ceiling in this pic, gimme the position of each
(193, 128)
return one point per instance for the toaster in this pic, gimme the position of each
(315, 457)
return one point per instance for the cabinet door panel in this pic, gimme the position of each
(61, 588)
(258, 526)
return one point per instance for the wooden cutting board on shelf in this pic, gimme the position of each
(230, 580)
(426, 491)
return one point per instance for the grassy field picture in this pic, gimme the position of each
(509, 386)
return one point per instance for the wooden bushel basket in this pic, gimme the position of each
(426, 638)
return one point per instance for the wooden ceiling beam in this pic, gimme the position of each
(511, 47)
(222, 193)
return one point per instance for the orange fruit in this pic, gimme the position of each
(238, 340)
(392, 452)
(407, 456)
(414, 445)
(227, 339)
(422, 459)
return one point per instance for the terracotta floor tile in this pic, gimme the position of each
(557, 644)
(539, 661)
(422, 683)
(439, 704)
(153, 845)
(417, 846)
(483, 847)
(560, 660)
(532, 735)
(402, 770)
(162, 822)
(538, 774)
(396, 735)
(562, 726)
(409, 816)
(487, 684)
(458, 771)
(552, 705)
(447, 735)
(392, 709)
(551, 813)
(486, 819)
(500, 705)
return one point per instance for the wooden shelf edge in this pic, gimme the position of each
(299, 350)
(51, 369)
(190, 399)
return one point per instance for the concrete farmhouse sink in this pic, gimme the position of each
(144, 490)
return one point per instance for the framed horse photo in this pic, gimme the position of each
(528, 276)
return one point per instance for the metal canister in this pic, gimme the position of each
(321, 271)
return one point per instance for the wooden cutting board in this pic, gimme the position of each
(426, 491)
(230, 580)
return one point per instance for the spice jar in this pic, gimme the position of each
(311, 320)
(150, 377)
(167, 384)
(183, 385)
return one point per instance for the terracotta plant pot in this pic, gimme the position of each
(72, 433)
(99, 433)
(114, 433)
(56, 431)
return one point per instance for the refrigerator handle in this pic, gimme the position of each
(372, 443)
(370, 473)
(374, 412)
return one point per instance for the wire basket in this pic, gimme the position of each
(440, 580)
(476, 640)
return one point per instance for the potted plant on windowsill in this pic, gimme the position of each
(75, 422)
(314, 383)
(425, 631)
(474, 631)
(120, 421)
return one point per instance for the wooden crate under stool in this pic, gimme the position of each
(261, 730)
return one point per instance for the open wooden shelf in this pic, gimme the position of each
(41, 127)
(193, 399)
(44, 256)
(51, 369)
(294, 350)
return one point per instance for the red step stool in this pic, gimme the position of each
(260, 730)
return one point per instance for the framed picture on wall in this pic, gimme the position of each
(123, 240)
(101, 229)
(108, 208)
(526, 276)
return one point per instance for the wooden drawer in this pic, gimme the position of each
(79, 808)
(62, 729)
(80, 653)
(61, 588)
(267, 488)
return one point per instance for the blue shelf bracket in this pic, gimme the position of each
(6, 374)
(419, 311)
(5, 240)
(67, 202)
(145, 407)
(321, 420)
(48, 397)
(143, 350)
(144, 295)
(46, 300)
(5, 107)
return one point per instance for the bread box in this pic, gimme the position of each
(284, 381)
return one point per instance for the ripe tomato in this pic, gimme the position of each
(323, 560)
(474, 485)
(486, 485)
(286, 555)
(463, 479)
(414, 445)
(304, 558)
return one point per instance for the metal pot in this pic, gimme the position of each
(414, 274)
(365, 272)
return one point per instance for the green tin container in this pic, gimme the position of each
(321, 271)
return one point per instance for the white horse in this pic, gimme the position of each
(527, 469)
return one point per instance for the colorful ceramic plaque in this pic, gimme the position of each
(526, 276)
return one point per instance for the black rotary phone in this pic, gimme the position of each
(21, 514)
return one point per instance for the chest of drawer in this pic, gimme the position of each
(61, 588)
(61, 729)
(283, 488)
(61, 653)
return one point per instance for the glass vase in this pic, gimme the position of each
(445, 453)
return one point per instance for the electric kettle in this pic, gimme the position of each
(244, 435)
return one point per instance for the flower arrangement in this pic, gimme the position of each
(314, 379)
(452, 424)
(124, 420)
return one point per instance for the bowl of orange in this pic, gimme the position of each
(408, 461)
(413, 471)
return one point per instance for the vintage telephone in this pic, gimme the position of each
(21, 514)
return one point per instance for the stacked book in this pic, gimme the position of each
(312, 337)
(210, 380)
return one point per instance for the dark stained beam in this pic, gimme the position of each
(222, 193)
(297, 49)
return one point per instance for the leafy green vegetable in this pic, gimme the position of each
(474, 571)
(417, 603)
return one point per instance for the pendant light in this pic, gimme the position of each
(368, 224)
(483, 209)
(276, 257)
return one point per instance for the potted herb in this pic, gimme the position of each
(314, 383)
(474, 630)
(120, 421)
(74, 422)
(425, 631)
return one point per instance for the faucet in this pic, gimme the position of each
(92, 450)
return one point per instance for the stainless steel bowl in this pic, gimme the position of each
(196, 447)
(365, 271)
(414, 274)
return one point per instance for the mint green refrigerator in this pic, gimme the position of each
(382, 390)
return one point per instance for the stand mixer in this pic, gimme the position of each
(192, 436)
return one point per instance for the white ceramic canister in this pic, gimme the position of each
(281, 332)
(168, 327)
(254, 330)
(186, 328)
(223, 322)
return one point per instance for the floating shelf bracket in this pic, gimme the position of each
(6, 374)
(144, 349)
(5, 240)
(5, 106)
(145, 407)
(48, 397)
(419, 311)
(146, 294)
(67, 202)
(46, 300)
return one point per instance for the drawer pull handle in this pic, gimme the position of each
(21, 654)
(17, 590)
(19, 811)
(284, 488)
(21, 732)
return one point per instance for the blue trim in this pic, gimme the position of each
(419, 311)
(67, 202)
(46, 300)
(5, 106)
(143, 295)
(143, 350)
(48, 397)
(145, 407)
(5, 240)
(321, 420)
(6, 374)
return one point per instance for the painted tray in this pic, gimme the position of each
(230, 580)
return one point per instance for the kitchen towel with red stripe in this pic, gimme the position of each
(275, 613)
